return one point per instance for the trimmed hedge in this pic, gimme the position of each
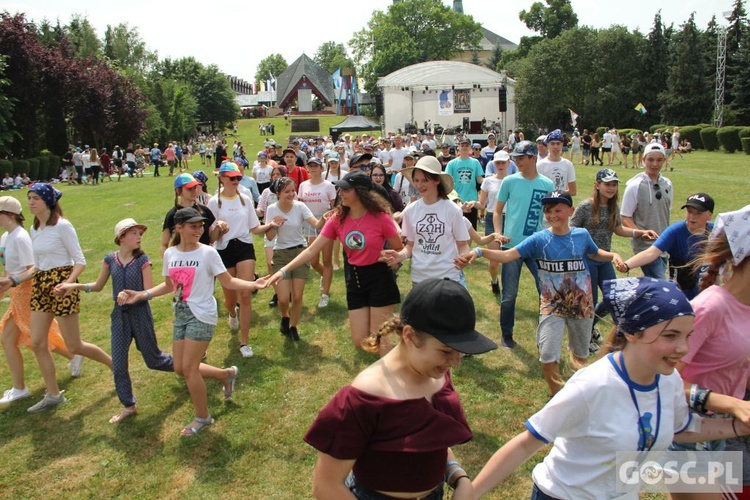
(20, 166)
(55, 162)
(43, 166)
(745, 144)
(600, 131)
(6, 167)
(33, 167)
(709, 139)
(744, 132)
(658, 126)
(729, 138)
(692, 134)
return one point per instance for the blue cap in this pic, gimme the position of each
(525, 148)
(555, 135)
(200, 176)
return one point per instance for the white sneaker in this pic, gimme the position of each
(234, 321)
(323, 301)
(14, 394)
(48, 402)
(246, 351)
(76, 366)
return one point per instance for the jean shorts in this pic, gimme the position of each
(187, 326)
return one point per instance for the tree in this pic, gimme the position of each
(495, 58)
(688, 97)
(741, 85)
(126, 50)
(735, 36)
(410, 32)
(215, 98)
(654, 67)
(7, 127)
(275, 64)
(332, 56)
(83, 39)
(552, 20)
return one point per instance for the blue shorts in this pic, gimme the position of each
(187, 326)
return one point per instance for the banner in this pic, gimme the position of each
(462, 101)
(445, 103)
(641, 108)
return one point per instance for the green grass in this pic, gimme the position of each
(255, 449)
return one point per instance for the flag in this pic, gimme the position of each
(262, 86)
(336, 75)
(573, 117)
(255, 91)
(641, 108)
(273, 82)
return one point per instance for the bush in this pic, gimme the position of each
(43, 167)
(6, 167)
(709, 139)
(729, 138)
(600, 131)
(628, 131)
(658, 126)
(744, 132)
(745, 144)
(20, 166)
(692, 134)
(33, 167)
(55, 163)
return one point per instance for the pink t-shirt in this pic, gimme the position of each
(363, 238)
(719, 356)
(169, 153)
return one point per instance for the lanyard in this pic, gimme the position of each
(647, 436)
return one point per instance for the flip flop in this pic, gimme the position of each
(234, 372)
(124, 414)
(196, 426)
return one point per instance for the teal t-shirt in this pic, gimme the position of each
(523, 203)
(465, 173)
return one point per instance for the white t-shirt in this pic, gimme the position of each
(404, 188)
(491, 185)
(397, 155)
(559, 172)
(289, 235)
(592, 418)
(15, 250)
(262, 174)
(318, 197)
(607, 140)
(192, 275)
(240, 218)
(434, 230)
(56, 246)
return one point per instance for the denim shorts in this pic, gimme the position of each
(362, 493)
(187, 326)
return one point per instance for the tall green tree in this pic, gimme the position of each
(332, 56)
(410, 32)
(83, 38)
(654, 68)
(125, 48)
(740, 89)
(275, 64)
(7, 127)
(688, 97)
(495, 58)
(550, 21)
(738, 27)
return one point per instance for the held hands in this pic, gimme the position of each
(63, 289)
(263, 282)
(278, 221)
(619, 263)
(5, 284)
(222, 226)
(390, 257)
(130, 297)
(465, 259)
(467, 207)
(274, 278)
(650, 235)
(500, 239)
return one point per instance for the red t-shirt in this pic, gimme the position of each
(363, 238)
(300, 174)
(385, 435)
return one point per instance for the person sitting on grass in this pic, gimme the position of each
(562, 256)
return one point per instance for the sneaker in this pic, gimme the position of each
(234, 321)
(229, 385)
(596, 335)
(323, 301)
(293, 333)
(274, 301)
(246, 351)
(284, 327)
(495, 287)
(76, 366)
(593, 348)
(48, 402)
(14, 394)
(508, 342)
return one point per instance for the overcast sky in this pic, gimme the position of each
(236, 34)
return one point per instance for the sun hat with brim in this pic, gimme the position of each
(359, 157)
(185, 181)
(444, 309)
(126, 224)
(187, 215)
(354, 179)
(229, 169)
(431, 165)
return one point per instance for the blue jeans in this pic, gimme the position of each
(537, 494)
(600, 272)
(656, 269)
(510, 275)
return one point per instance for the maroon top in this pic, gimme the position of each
(398, 444)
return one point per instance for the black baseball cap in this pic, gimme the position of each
(700, 201)
(558, 197)
(444, 309)
(354, 179)
(189, 214)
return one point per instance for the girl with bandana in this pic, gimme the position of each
(58, 259)
(631, 399)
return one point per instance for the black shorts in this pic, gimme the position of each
(370, 286)
(606, 150)
(236, 251)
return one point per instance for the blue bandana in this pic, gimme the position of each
(47, 193)
(639, 303)
(555, 135)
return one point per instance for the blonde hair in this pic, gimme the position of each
(393, 326)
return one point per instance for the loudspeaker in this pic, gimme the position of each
(379, 105)
(466, 124)
(503, 98)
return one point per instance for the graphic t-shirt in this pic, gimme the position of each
(192, 275)
(465, 173)
(523, 204)
(563, 271)
(363, 238)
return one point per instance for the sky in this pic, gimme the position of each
(236, 35)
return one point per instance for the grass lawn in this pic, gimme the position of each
(255, 449)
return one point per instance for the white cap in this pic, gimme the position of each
(654, 147)
(501, 155)
(542, 139)
(10, 205)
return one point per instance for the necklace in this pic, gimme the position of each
(647, 436)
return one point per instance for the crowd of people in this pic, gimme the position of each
(387, 200)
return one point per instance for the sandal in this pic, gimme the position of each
(126, 412)
(196, 426)
(234, 372)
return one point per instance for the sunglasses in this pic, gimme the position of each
(657, 188)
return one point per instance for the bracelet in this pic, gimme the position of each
(13, 280)
(633, 233)
(148, 295)
(453, 473)
(455, 483)
(88, 288)
(701, 398)
(452, 462)
(734, 421)
(477, 251)
(693, 392)
(283, 273)
(627, 267)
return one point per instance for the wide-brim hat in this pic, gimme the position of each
(124, 225)
(431, 165)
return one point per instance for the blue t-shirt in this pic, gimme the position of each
(564, 275)
(682, 246)
(523, 202)
(465, 173)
